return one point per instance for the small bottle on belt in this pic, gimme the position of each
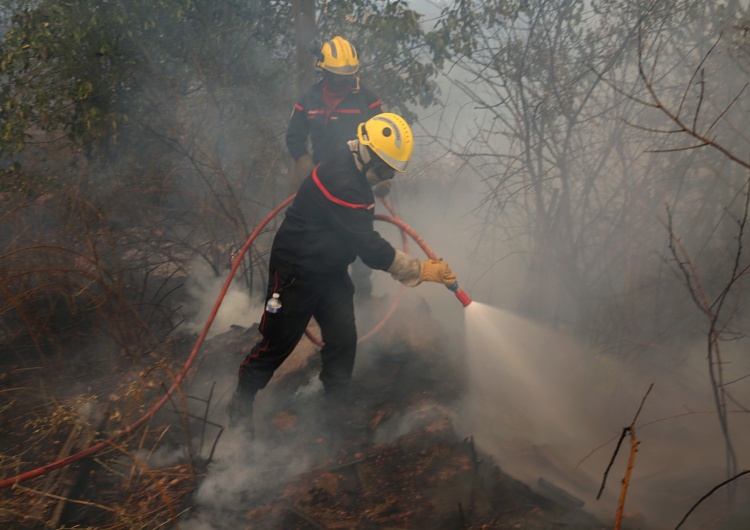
(274, 304)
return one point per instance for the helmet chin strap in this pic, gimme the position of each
(369, 175)
(356, 149)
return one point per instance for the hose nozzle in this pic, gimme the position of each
(460, 294)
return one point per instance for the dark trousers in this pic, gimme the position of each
(328, 298)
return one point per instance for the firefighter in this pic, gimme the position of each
(327, 226)
(328, 114)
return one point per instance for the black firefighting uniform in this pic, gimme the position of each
(327, 226)
(327, 136)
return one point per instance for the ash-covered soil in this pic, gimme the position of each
(383, 456)
(392, 453)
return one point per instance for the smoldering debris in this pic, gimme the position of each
(386, 455)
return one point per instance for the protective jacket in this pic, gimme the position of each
(330, 222)
(329, 129)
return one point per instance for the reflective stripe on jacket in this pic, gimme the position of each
(328, 136)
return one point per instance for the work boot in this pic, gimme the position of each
(240, 411)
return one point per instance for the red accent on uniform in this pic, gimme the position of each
(374, 104)
(336, 200)
(263, 323)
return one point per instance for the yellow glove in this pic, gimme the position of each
(436, 271)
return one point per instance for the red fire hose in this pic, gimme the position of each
(406, 229)
(460, 294)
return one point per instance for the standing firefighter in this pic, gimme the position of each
(328, 114)
(327, 226)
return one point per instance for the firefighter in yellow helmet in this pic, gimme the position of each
(327, 226)
(329, 112)
(328, 115)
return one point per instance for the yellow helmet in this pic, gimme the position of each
(338, 56)
(390, 137)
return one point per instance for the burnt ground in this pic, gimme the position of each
(384, 456)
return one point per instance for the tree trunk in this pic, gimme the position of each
(304, 32)
(303, 12)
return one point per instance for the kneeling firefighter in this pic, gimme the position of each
(327, 226)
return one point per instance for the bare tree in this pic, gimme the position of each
(719, 300)
(546, 132)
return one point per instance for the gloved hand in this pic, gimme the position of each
(303, 166)
(382, 189)
(405, 268)
(436, 271)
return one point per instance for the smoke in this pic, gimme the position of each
(294, 433)
(244, 468)
(542, 403)
(422, 416)
(237, 308)
(242, 472)
(545, 405)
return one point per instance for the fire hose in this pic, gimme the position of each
(405, 229)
